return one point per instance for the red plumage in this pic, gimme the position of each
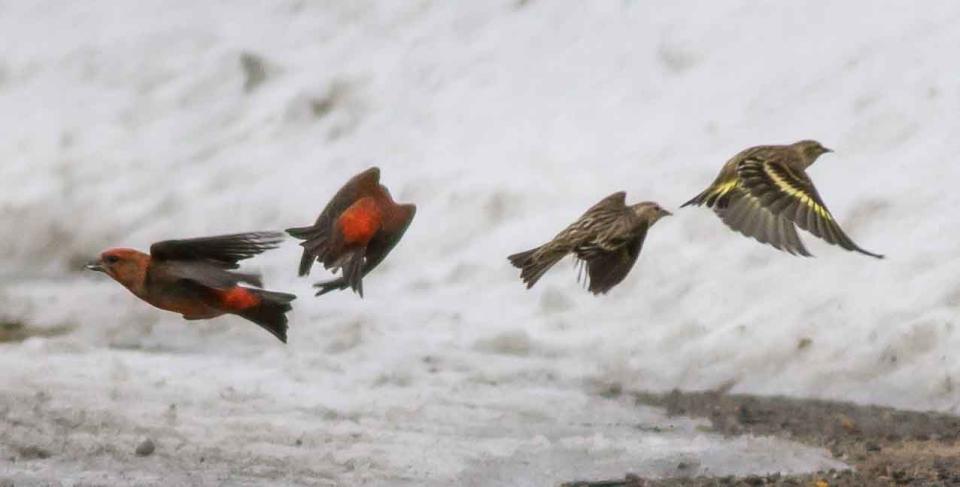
(195, 278)
(355, 232)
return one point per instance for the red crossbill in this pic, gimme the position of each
(194, 277)
(356, 230)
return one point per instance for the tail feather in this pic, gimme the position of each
(313, 245)
(351, 266)
(337, 284)
(534, 263)
(306, 262)
(270, 314)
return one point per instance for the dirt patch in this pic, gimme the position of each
(884, 446)
(15, 331)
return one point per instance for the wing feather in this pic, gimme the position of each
(607, 268)
(747, 215)
(803, 204)
(223, 251)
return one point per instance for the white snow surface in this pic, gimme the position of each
(124, 123)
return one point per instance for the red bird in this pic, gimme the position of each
(193, 277)
(356, 230)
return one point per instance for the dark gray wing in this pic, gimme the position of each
(224, 251)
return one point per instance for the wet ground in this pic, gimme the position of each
(883, 446)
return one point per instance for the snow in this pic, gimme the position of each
(126, 123)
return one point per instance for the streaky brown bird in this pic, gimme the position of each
(764, 191)
(607, 240)
(354, 233)
(194, 277)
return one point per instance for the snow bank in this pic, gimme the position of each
(125, 123)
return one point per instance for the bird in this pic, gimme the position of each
(194, 277)
(764, 192)
(606, 240)
(354, 233)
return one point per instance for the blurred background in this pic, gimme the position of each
(124, 123)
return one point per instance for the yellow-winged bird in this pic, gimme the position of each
(356, 230)
(764, 191)
(607, 239)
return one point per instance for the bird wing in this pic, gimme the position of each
(366, 183)
(377, 249)
(788, 192)
(383, 242)
(609, 262)
(744, 213)
(614, 203)
(224, 251)
(197, 275)
(605, 212)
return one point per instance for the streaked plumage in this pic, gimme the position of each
(194, 277)
(764, 191)
(607, 240)
(354, 233)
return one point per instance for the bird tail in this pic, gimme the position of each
(351, 269)
(314, 243)
(534, 263)
(270, 312)
(337, 284)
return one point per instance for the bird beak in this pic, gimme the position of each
(665, 213)
(827, 151)
(95, 265)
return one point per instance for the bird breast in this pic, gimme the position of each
(361, 221)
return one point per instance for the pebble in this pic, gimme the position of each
(146, 448)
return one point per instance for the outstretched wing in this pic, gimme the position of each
(745, 214)
(789, 192)
(224, 251)
(366, 183)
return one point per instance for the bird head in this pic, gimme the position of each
(126, 266)
(810, 150)
(650, 211)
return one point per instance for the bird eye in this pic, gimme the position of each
(111, 259)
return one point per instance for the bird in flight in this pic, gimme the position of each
(354, 233)
(764, 192)
(195, 277)
(606, 240)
